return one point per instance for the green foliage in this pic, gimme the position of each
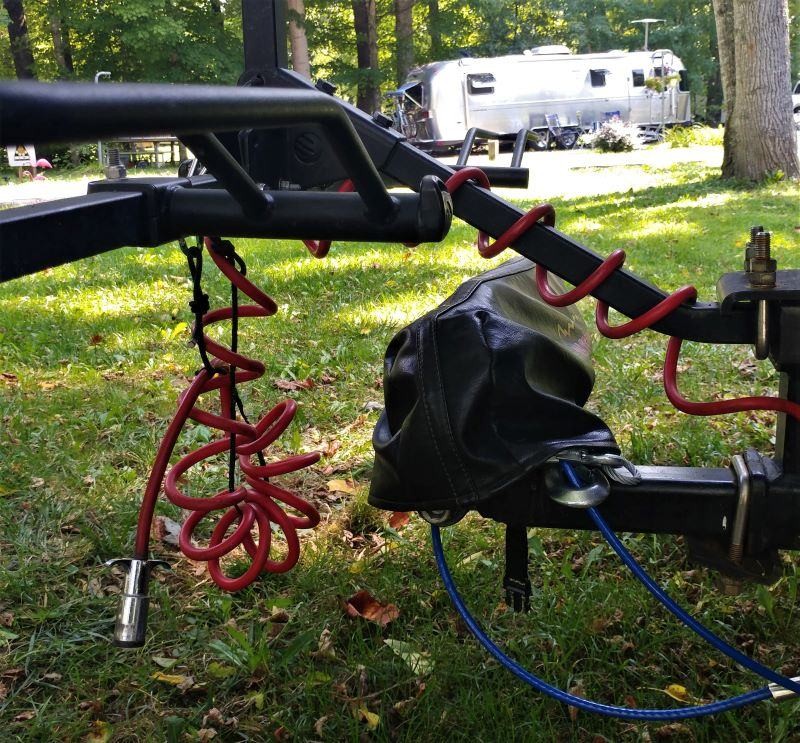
(90, 366)
(686, 136)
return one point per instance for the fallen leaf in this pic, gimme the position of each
(341, 486)
(206, 734)
(398, 519)
(37, 482)
(167, 530)
(291, 385)
(52, 677)
(675, 730)
(282, 734)
(93, 705)
(577, 690)
(25, 716)
(182, 682)
(319, 725)
(325, 650)
(100, 732)
(363, 714)
(95, 339)
(9, 379)
(419, 662)
(3, 691)
(6, 619)
(363, 604)
(677, 692)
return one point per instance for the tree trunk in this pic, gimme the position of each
(434, 29)
(297, 38)
(61, 47)
(760, 135)
(364, 21)
(19, 40)
(404, 35)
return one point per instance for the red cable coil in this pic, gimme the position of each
(255, 503)
(614, 261)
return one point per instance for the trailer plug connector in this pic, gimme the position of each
(131, 622)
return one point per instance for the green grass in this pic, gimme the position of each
(92, 357)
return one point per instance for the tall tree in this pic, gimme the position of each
(62, 51)
(298, 41)
(435, 29)
(365, 24)
(404, 37)
(19, 40)
(760, 135)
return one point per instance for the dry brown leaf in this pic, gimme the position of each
(577, 690)
(363, 604)
(398, 519)
(325, 649)
(674, 730)
(52, 677)
(9, 379)
(3, 691)
(206, 734)
(291, 385)
(6, 619)
(341, 486)
(319, 725)
(25, 716)
(95, 339)
(282, 734)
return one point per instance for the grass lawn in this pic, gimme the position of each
(92, 358)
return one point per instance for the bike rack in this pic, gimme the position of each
(316, 141)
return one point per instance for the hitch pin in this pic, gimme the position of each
(131, 623)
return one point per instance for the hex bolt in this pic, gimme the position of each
(760, 267)
(762, 243)
(750, 247)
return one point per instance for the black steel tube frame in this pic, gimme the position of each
(665, 500)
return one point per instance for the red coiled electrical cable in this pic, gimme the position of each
(257, 502)
(546, 213)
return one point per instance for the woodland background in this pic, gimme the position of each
(200, 40)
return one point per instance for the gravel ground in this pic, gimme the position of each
(554, 173)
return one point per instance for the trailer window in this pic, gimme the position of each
(684, 82)
(415, 93)
(481, 83)
(638, 78)
(598, 78)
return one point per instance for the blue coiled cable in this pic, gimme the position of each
(668, 603)
(605, 709)
(609, 710)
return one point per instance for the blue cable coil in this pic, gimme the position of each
(587, 705)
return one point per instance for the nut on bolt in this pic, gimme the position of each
(131, 623)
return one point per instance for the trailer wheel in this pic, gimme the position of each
(567, 140)
(540, 142)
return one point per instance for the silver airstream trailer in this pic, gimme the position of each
(439, 102)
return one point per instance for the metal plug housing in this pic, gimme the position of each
(131, 622)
